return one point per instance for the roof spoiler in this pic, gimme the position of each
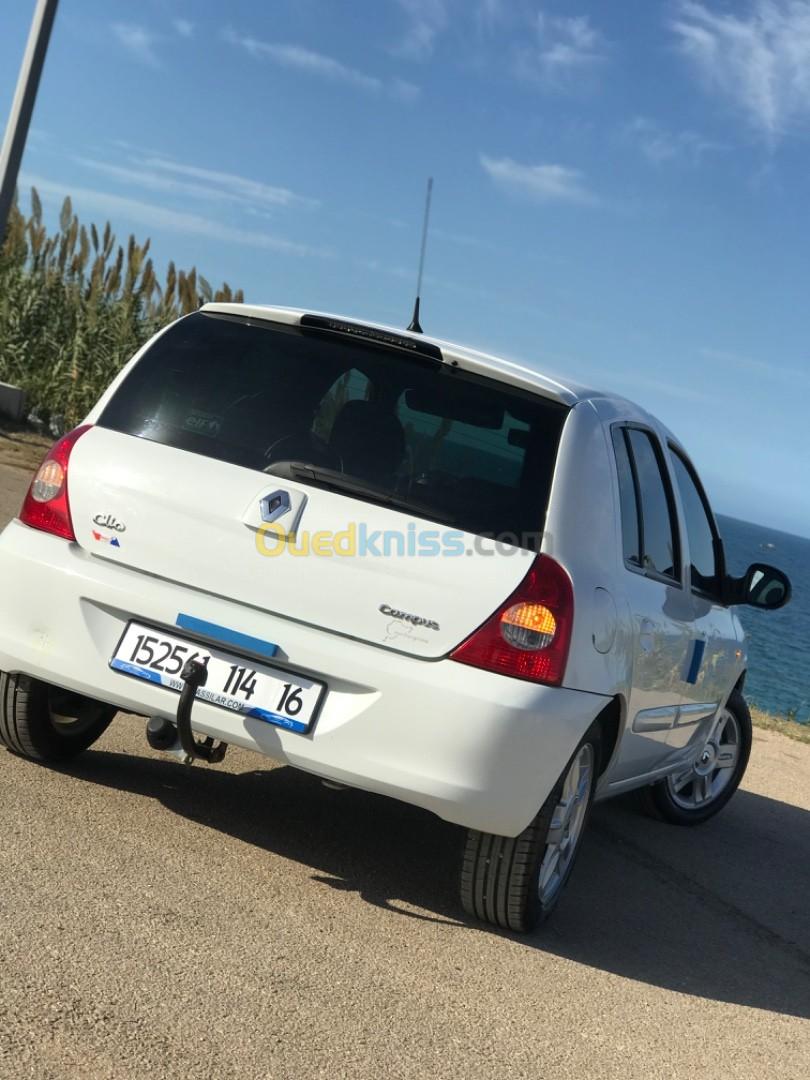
(373, 336)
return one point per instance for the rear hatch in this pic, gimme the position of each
(363, 486)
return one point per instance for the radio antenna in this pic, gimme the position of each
(415, 326)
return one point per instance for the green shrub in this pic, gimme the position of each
(75, 306)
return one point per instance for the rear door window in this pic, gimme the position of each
(649, 525)
(455, 448)
(629, 501)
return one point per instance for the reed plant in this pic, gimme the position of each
(75, 305)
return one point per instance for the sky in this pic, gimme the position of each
(621, 190)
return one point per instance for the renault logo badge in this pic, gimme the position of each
(274, 505)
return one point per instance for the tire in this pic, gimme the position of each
(43, 723)
(692, 796)
(502, 877)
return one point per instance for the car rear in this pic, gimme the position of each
(346, 525)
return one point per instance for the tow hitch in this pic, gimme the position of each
(178, 738)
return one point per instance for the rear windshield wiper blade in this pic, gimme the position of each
(338, 481)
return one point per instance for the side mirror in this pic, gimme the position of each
(762, 586)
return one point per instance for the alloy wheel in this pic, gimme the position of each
(713, 769)
(566, 825)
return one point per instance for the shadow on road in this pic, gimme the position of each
(717, 912)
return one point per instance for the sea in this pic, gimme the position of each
(778, 677)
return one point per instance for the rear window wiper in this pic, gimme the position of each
(339, 481)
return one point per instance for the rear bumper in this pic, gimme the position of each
(475, 748)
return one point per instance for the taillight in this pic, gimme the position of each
(528, 637)
(46, 505)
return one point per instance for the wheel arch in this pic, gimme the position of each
(610, 721)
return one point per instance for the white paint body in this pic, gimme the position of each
(399, 718)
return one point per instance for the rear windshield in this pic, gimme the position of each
(405, 430)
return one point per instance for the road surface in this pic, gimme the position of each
(245, 921)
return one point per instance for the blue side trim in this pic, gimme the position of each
(279, 721)
(226, 636)
(697, 661)
(139, 672)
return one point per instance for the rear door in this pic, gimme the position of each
(348, 484)
(660, 607)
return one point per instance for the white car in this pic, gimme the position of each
(395, 563)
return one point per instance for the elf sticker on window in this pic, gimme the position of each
(203, 423)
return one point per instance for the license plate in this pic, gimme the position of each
(234, 682)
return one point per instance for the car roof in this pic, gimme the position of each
(566, 391)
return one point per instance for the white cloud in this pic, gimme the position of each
(317, 64)
(426, 20)
(567, 48)
(240, 187)
(773, 368)
(138, 41)
(162, 174)
(404, 91)
(759, 61)
(184, 27)
(545, 183)
(125, 144)
(489, 13)
(661, 146)
(152, 216)
(301, 59)
(633, 382)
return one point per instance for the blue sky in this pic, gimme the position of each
(621, 190)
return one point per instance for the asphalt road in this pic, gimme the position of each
(244, 921)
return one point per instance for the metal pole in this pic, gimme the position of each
(23, 105)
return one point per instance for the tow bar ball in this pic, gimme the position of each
(177, 738)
